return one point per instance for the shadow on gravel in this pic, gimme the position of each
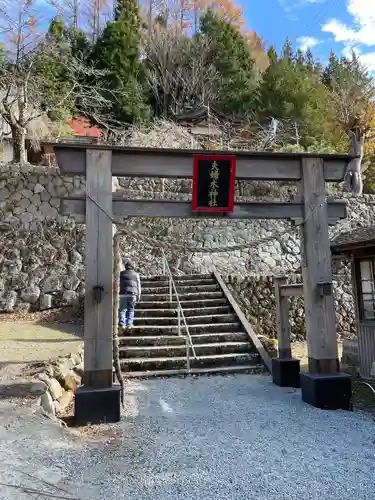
(51, 341)
(64, 327)
(17, 389)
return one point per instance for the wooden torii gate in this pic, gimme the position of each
(99, 400)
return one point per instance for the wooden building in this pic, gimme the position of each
(211, 128)
(358, 247)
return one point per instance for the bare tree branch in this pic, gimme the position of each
(27, 96)
(179, 72)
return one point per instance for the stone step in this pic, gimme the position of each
(182, 372)
(181, 290)
(182, 277)
(153, 347)
(206, 338)
(152, 340)
(167, 351)
(186, 304)
(148, 297)
(190, 320)
(172, 313)
(166, 363)
(201, 338)
(173, 330)
(178, 282)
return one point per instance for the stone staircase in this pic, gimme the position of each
(221, 340)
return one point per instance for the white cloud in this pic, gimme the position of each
(305, 42)
(368, 60)
(289, 5)
(348, 49)
(363, 29)
(360, 34)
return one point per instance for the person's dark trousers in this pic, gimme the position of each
(126, 310)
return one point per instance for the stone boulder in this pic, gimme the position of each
(30, 294)
(8, 301)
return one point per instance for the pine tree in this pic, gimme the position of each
(236, 81)
(272, 55)
(309, 58)
(330, 69)
(117, 51)
(291, 90)
(79, 44)
(300, 57)
(287, 52)
(55, 81)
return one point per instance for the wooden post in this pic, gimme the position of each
(316, 270)
(324, 386)
(285, 369)
(282, 320)
(99, 268)
(116, 306)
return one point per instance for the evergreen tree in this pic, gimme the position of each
(287, 52)
(291, 89)
(117, 52)
(300, 57)
(120, 9)
(272, 55)
(79, 43)
(309, 58)
(236, 81)
(49, 69)
(330, 69)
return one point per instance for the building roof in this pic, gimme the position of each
(360, 237)
(198, 113)
(82, 127)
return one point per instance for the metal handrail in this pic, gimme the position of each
(180, 311)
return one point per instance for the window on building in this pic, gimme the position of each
(367, 289)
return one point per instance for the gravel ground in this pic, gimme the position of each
(236, 437)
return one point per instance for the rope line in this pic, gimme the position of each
(195, 249)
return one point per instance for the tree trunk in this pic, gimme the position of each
(353, 178)
(75, 14)
(19, 146)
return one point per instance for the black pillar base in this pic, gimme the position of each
(285, 372)
(97, 406)
(327, 391)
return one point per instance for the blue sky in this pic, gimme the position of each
(322, 24)
(341, 25)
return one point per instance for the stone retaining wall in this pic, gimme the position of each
(41, 252)
(256, 298)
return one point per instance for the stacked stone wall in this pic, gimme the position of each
(42, 253)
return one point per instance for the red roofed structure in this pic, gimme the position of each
(82, 127)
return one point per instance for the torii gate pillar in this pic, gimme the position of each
(324, 386)
(98, 401)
